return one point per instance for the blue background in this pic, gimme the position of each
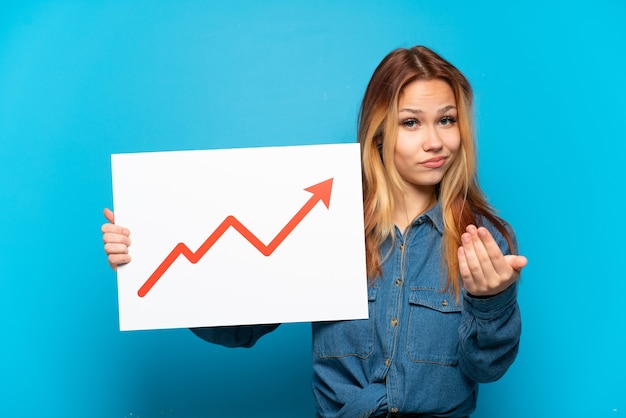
(82, 80)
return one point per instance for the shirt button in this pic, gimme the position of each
(398, 282)
(444, 303)
(387, 362)
(394, 410)
(394, 322)
(401, 247)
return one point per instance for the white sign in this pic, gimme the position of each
(241, 236)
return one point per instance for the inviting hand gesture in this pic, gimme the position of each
(116, 241)
(484, 269)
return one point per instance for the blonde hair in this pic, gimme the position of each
(459, 192)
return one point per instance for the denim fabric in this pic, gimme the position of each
(420, 353)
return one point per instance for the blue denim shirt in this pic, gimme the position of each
(419, 352)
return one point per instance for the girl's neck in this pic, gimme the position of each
(411, 204)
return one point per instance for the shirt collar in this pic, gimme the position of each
(435, 214)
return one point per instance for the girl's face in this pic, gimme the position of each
(428, 133)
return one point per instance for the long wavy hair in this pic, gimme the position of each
(461, 197)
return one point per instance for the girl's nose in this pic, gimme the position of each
(432, 142)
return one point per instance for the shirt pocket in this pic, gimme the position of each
(433, 334)
(346, 338)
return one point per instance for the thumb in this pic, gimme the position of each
(517, 262)
(108, 214)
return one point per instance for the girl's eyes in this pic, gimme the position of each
(410, 123)
(414, 123)
(447, 120)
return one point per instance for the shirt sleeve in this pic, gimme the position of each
(237, 336)
(489, 335)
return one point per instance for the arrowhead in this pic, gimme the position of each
(321, 191)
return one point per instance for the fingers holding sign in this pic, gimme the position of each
(116, 241)
(485, 271)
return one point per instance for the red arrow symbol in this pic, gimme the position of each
(321, 191)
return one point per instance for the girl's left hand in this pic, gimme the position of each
(484, 269)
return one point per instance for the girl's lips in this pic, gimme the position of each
(434, 162)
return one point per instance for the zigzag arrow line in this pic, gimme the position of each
(321, 191)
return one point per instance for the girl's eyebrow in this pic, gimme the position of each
(414, 111)
(446, 109)
(418, 111)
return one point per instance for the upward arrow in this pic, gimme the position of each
(321, 192)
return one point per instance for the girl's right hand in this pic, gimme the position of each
(116, 241)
